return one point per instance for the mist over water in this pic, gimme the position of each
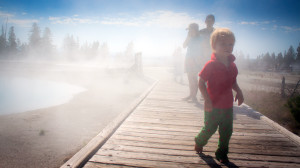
(58, 107)
(20, 94)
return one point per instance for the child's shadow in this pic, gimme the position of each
(212, 163)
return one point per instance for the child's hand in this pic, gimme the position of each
(239, 96)
(207, 105)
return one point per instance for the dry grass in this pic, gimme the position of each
(273, 106)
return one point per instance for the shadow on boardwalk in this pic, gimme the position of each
(212, 163)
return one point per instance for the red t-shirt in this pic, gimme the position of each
(220, 80)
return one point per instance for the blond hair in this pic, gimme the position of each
(218, 34)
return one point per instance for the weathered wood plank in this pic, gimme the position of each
(138, 124)
(258, 146)
(194, 123)
(234, 139)
(138, 163)
(274, 137)
(145, 151)
(196, 159)
(198, 118)
(101, 165)
(193, 130)
(208, 150)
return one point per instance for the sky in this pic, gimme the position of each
(157, 27)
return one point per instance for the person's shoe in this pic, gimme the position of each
(198, 149)
(201, 97)
(187, 98)
(194, 100)
(223, 160)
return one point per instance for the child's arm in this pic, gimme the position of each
(239, 94)
(207, 101)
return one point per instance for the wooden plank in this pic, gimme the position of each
(140, 124)
(194, 123)
(252, 147)
(196, 159)
(192, 130)
(186, 110)
(234, 139)
(155, 157)
(207, 151)
(191, 136)
(87, 151)
(168, 152)
(274, 137)
(101, 165)
(193, 116)
(138, 163)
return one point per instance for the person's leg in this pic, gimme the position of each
(209, 128)
(190, 83)
(193, 85)
(225, 132)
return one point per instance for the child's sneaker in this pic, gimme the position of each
(221, 155)
(223, 160)
(198, 149)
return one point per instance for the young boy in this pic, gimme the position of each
(220, 74)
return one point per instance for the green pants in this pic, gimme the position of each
(222, 118)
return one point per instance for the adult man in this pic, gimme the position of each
(205, 36)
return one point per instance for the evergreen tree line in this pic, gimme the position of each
(287, 61)
(41, 47)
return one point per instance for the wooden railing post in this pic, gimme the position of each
(283, 87)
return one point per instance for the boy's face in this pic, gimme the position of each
(224, 46)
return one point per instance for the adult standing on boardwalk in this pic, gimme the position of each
(192, 59)
(198, 53)
(205, 36)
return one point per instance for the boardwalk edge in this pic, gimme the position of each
(83, 155)
(281, 129)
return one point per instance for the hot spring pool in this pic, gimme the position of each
(21, 94)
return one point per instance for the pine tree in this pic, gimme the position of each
(290, 56)
(46, 40)
(273, 60)
(267, 60)
(12, 44)
(279, 60)
(35, 38)
(2, 42)
(71, 47)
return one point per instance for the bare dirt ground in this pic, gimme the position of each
(48, 137)
(262, 92)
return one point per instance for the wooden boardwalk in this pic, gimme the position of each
(160, 133)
